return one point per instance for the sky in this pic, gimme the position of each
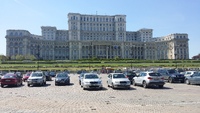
(163, 16)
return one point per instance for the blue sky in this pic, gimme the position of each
(163, 16)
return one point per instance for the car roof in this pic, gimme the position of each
(116, 73)
(90, 73)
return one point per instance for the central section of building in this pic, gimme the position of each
(97, 36)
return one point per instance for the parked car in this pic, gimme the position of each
(48, 76)
(91, 81)
(81, 71)
(62, 78)
(118, 80)
(149, 79)
(52, 73)
(117, 71)
(193, 79)
(26, 76)
(36, 78)
(189, 73)
(11, 79)
(172, 75)
(130, 75)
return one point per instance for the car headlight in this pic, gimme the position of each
(117, 82)
(99, 82)
(57, 79)
(173, 75)
(86, 82)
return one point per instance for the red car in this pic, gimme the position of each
(26, 76)
(11, 79)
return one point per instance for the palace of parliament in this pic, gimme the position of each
(96, 36)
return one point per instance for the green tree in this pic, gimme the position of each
(29, 57)
(3, 58)
(19, 57)
(13, 57)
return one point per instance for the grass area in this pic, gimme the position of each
(95, 64)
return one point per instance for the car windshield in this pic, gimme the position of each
(52, 73)
(9, 76)
(131, 74)
(28, 74)
(119, 76)
(172, 71)
(62, 75)
(91, 76)
(36, 74)
(82, 74)
(154, 74)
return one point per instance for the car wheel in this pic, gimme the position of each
(144, 84)
(170, 80)
(160, 86)
(134, 83)
(187, 82)
(2, 85)
(45, 83)
(28, 85)
(83, 88)
(113, 86)
(79, 82)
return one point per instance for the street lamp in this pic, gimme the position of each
(38, 55)
(107, 49)
(132, 47)
(89, 61)
(175, 59)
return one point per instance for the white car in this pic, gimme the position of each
(36, 78)
(189, 73)
(118, 80)
(91, 81)
(149, 79)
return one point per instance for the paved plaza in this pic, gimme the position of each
(173, 98)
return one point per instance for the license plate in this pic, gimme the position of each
(7, 80)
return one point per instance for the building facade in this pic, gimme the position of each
(100, 36)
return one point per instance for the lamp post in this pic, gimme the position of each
(89, 61)
(175, 59)
(38, 55)
(132, 53)
(107, 49)
(131, 60)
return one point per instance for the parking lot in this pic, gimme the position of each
(173, 98)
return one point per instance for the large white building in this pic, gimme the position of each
(99, 36)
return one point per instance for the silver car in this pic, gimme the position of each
(149, 79)
(193, 79)
(36, 78)
(118, 80)
(91, 81)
